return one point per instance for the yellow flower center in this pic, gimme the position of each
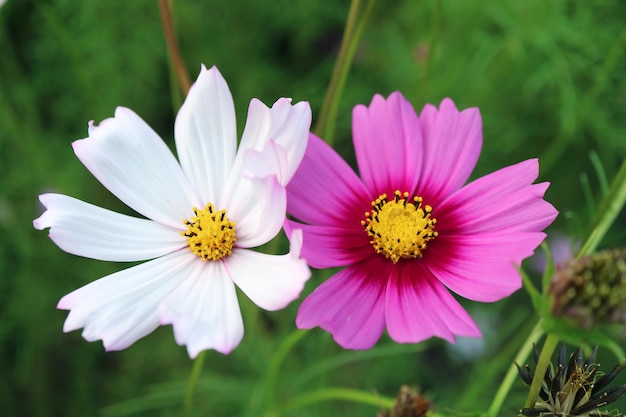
(399, 228)
(210, 234)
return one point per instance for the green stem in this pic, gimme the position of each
(325, 125)
(193, 382)
(608, 211)
(273, 368)
(511, 374)
(334, 393)
(322, 120)
(616, 349)
(540, 371)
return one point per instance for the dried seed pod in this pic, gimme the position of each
(410, 403)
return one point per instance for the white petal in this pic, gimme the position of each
(204, 311)
(86, 230)
(270, 281)
(257, 206)
(130, 159)
(271, 161)
(206, 136)
(121, 308)
(285, 124)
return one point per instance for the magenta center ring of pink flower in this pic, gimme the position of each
(400, 228)
(210, 234)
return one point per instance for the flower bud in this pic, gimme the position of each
(591, 290)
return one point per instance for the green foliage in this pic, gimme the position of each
(548, 76)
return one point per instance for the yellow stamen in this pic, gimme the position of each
(210, 234)
(399, 228)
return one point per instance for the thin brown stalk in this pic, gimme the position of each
(172, 48)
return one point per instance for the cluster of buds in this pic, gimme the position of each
(591, 290)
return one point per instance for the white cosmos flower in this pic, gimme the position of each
(202, 216)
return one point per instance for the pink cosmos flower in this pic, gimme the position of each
(409, 230)
(202, 216)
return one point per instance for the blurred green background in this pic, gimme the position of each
(548, 76)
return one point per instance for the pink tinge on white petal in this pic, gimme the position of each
(270, 281)
(418, 307)
(504, 201)
(271, 161)
(350, 305)
(206, 134)
(481, 267)
(285, 124)
(452, 144)
(204, 311)
(132, 162)
(86, 230)
(257, 206)
(121, 308)
(325, 190)
(330, 246)
(388, 144)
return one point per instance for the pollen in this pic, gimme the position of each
(400, 228)
(210, 234)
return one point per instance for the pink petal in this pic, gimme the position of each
(452, 143)
(388, 144)
(132, 162)
(482, 267)
(270, 281)
(329, 246)
(206, 134)
(417, 307)
(504, 201)
(350, 305)
(204, 310)
(325, 190)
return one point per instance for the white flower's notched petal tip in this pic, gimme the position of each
(41, 222)
(287, 100)
(90, 127)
